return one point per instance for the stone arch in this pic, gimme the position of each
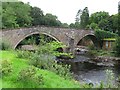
(34, 34)
(92, 37)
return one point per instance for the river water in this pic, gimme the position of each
(86, 71)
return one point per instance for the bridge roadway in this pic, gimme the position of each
(69, 37)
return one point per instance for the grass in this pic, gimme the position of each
(50, 79)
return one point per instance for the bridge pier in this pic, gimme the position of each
(70, 47)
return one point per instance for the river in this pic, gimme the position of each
(86, 71)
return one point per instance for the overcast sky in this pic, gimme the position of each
(66, 10)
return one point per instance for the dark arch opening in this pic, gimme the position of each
(88, 40)
(36, 39)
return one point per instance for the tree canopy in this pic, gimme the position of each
(14, 16)
(19, 14)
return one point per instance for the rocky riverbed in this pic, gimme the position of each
(105, 61)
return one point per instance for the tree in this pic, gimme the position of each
(15, 14)
(37, 15)
(8, 16)
(72, 25)
(103, 24)
(113, 23)
(98, 16)
(65, 25)
(23, 13)
(51, 20)
(84, 18)
(77, 19)
(117, 46)
(101, 19)
(92, 26)
(119, 18)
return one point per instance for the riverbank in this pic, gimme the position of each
(103, 58)
(49, 79)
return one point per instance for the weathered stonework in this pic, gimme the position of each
(14, 37)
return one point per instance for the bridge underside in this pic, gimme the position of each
(89, 40)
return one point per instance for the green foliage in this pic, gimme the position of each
(109, 80)
(91, 47)
(119, 82)
(8, 17)
(98, 20)
(72, 25)
(112, 24)
(110, 77)
(50, 48)
(29, 74)
(118, 18)
(95, 53)
(37, 15)
(14, 16)
(92, 26)
(98, 16)
(81, 20)
(62, 70)
(44, 58)
(41, 60)
(4, 45)
(49, 80)
(5, 67)
(48, 62)
(103, 24)
(51, 20)
(65, 25)
(23, 54)
(84, 18)
(101, 34)
(101, 85)
(23, 14)
(117, 46)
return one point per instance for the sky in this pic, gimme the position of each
(66, 10)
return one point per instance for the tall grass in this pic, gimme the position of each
(4, 45)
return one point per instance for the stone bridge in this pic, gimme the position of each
(69, 37)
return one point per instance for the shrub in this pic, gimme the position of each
(119, 82)
(6, 67)
(117, 47)
(4, 45)
(44, 58)
(91, 47)
(49, 63)
(110, 77)
(42, 61)
(50, 48)
(62, 70)
(29, 74)
(23, 54)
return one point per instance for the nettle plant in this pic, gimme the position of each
(29, 74)
(5, 67)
